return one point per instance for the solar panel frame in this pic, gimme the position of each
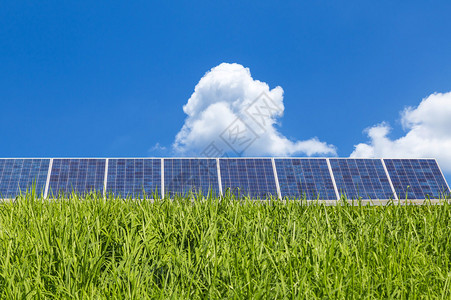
(133, 177)
(362, 178)
(308, 178)
(251, 185)
(71, 175)
(433, 185)
(30, 171)
(178, 176)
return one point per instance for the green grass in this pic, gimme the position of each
(95, 248)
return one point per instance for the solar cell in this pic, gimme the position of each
(417, 178)
(248, 177)
(182, 176)
(134, 177)
(79, 175)
(20, 174)
(305, 178)
(361, 178)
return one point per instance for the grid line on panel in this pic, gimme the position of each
(417, 178)
(184, 176)
(248, 177)
(19, 175)
(79, 175)
(361, 178)
(134, 178)
(305, 178)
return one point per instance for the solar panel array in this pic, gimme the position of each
(248, 177)
(309, 178)
(77, 175)
(184, 176)
(258, 178)
(361, 178)
(18, 175)
(416, 178)
(134, 177)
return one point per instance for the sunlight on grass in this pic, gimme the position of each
(89, 247)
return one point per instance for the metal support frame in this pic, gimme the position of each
(219, 177)
(162, 178)
(333, 178)
(279, 195)
(47, 182)
(389, 179)
(106, 178)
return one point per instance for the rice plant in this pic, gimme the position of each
(90, 247)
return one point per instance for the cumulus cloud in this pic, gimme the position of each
(230, 112)
(428, 133)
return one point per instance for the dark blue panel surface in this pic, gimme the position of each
(132, 177)
(20, 175)
(416, 178)
(305, 178)
(182, 176)
(361, 178)
(248, 177)
(78, 175)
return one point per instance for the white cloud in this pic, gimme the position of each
(428, 128)
(157, 147)
(224, 103)
(157, 150)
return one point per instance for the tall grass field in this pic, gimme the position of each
(91, 247)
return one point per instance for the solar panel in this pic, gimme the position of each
(361, 178)
(305, 178)
(248, 177)
(416, 178)
(78, 175)
(182, 176)
(134, 177)
(20, 174)
(255, 177)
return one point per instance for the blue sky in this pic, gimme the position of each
(84, 79)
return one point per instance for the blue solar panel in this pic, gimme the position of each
(182, 176)
(78, 175)
(134, 177)
(361, 178)
(20, 175)
(305, 178)
(416, 178)
(248, 177)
